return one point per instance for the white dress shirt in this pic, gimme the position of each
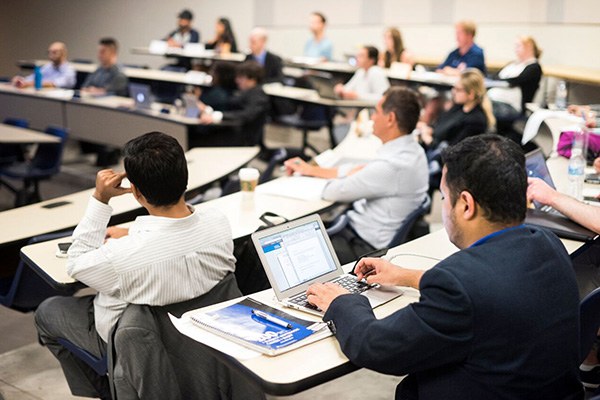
(369, 84)
(161, 261)
(385, 191)
(63, 76)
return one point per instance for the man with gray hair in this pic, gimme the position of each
(58, 73)
(269, 61)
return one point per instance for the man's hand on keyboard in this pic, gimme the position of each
(321, 295)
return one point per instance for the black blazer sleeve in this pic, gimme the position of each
(273, 68)
(248, 106)
(436, 331)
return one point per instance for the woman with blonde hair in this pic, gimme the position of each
(523, 76)
(394, 49)
(471, 113)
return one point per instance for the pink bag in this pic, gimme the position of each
(565, 142)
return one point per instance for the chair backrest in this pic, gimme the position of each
(48, 156)
(589, 322)
(18, 122)
(409, 221)
(27, 289)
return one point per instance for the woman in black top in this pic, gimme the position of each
(224, 42)
(523, 76)
(223, 86)
(470, 115)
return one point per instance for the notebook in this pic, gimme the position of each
(545, 216)
(259, 327)
(297, 254)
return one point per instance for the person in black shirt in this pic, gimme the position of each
(250, 106)
(224, 41)
(470, 115)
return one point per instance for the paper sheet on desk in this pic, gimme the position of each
(535, 120)
(186, 327)
(296, 187)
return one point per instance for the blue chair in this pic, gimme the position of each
(10, 153)
(589, 322)
(44, 165)
(100, 365)
(401, 234)
(26, 290)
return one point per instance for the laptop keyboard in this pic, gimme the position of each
(347, 282)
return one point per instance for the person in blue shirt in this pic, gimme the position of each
(319, 46)
(58, 73)
(467, 55)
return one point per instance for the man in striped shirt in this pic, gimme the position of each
(172, 255)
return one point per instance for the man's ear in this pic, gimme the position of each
(135, 191)
(391, 119)
(467, 205)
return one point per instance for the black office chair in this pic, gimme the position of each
(401, 234)
(45, 164)
(26, 290)
(312, 118)
(10, 153)
(168, 92)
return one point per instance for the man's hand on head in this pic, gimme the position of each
(108, 185)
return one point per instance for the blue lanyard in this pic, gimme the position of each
(491, 235)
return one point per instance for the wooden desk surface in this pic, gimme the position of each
(208, 55)
(191, 78)
(311, 96)
(205, 165)
(13, 134)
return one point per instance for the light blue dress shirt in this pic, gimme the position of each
(62, 76)
(322, 48)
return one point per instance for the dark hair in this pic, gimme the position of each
(156, 165)
(492, 169)
(251, 70)
(404, 103)
(110, 42)
(186, 14)
(388, 58)
(372, 53)
(320, 15)
(223, 73)
(227, 36)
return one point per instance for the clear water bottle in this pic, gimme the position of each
(576, 173)
(37, 77)
(560, 101)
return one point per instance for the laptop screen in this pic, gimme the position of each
(297, 255)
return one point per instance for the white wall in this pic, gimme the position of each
(567, 30)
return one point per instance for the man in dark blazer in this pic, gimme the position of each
(250, 106)
(497, 320)
(269, 61)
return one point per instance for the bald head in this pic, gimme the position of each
(57, 52)
(258, 40)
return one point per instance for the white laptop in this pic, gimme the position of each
(299, 253)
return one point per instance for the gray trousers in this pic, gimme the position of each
(72, 318)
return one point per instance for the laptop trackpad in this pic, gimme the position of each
(382, 294)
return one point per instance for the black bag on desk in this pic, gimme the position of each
(249, 272)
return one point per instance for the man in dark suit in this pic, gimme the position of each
(250, 106)
(497, 320)
(258, 52)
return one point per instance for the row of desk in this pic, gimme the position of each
(290, 372)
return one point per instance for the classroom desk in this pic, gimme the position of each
(290, 373)
(110, 120)
(15, 135)
(175, 52)
(242, 210)
(205, 166)
(190, 78)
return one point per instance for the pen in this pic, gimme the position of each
(273, 320)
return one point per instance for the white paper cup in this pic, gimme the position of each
(248, 179)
